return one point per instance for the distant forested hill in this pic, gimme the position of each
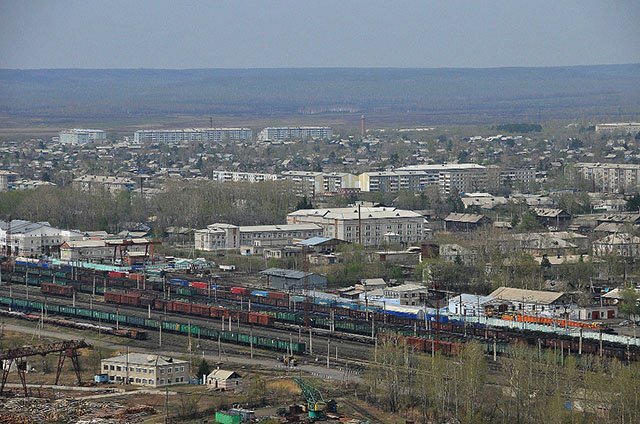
(442, 95)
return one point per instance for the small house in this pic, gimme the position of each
(224, 380)
(465, 222)
(552, 217)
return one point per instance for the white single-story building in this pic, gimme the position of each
(224, 380)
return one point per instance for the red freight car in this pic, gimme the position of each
(183, 307)
(202, 310)
(217, 312)
(258, 318)
(112, 297)
(198, 284)
(417, 343)
(277, 295)
(160, 305)
(56, 289)
(116, 274)
(240, 290)
(135, 277)
(132, 299)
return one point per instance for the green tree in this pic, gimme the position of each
(529, 222)
(630, 302)
(633, 203)
(203, 368)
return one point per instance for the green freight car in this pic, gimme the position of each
(174, 327)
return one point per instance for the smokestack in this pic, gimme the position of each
(362, 126)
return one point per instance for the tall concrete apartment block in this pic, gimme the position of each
(611, 177)
(81, 136)
(287, 133)
(193, 134)
(310, 184)
(450, 178)
(618, 128)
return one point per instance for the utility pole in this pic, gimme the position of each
(328, 351)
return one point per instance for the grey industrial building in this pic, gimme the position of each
(288, 279)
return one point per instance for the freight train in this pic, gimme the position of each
(297, 348)
(276, 307)
(130, 333)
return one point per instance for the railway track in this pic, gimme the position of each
(349, 349)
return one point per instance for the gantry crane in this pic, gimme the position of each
(317, 407)
(67, 348)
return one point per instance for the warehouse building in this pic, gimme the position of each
(291, 280)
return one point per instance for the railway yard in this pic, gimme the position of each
(243, 326)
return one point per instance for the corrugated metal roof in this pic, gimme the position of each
(464, 217)
(285, 273)
(528, 296)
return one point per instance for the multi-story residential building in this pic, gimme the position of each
(4, 179)
(305, 183)
(450, 178)
(287, 133)
(32, 239)
(251, 177)
(99, 183)
(146, 370)
(618, 128)
(611, 177)
(335, 182)
(193, 134)
(227, 236)
(499, 177)
(81, 136)
(370, 226)
(407, 294)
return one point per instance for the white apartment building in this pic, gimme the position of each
(450, 178)
(618, 128)
(287, 133)
(228, 236)
(81, 136)
(335, 182)
(146, 370)
(103, 183)
(407, 294)
(4, 179)
(370, 226)
(32, 239)
(193, 134)
(611, 177)
(305, 183)
(250, 177)
(499, 177)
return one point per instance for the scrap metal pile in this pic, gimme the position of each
(34, 410)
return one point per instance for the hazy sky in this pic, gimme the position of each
(327, 33)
